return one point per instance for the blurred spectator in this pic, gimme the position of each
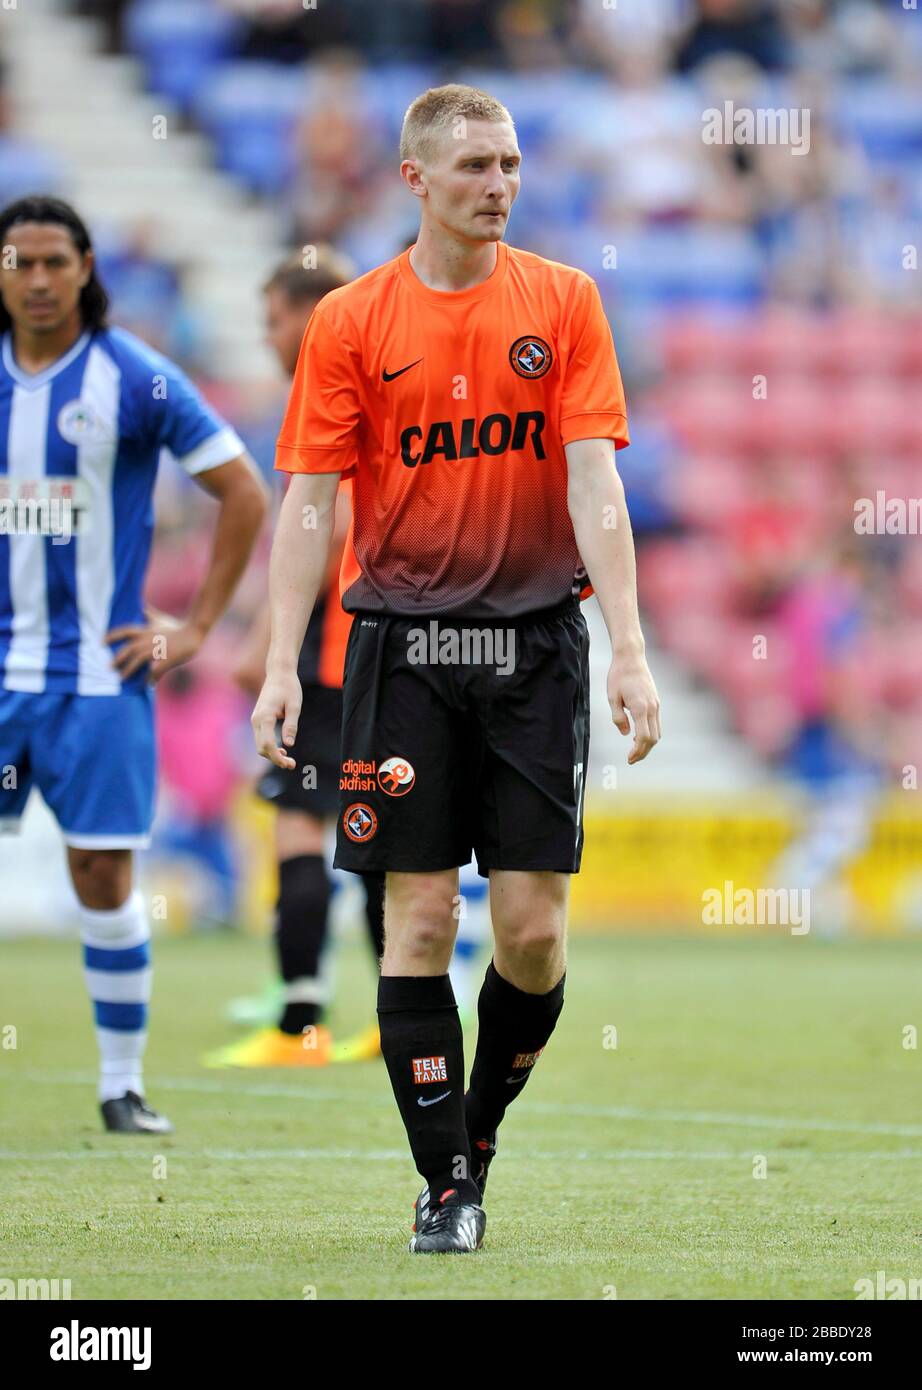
(286, 31)
(748, 27)
(341, 159)
(200, 717)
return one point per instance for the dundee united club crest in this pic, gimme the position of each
(530, 357)
(359, 822)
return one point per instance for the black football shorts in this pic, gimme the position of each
(463, 734)
(313, 784)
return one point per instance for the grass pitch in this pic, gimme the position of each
(623, 1171)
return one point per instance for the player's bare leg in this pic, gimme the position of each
(115, 933)
(520, 1001)
(423, 1048)
(420, 923)
(529, 912)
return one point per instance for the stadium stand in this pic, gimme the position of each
(768, 315)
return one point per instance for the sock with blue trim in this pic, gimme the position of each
(117, 970)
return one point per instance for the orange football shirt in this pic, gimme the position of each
(450, 412)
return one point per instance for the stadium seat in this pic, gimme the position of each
(25, 167)
(885, 117)
(706, 343)
(389, 88)
(180, 42)
(711, 413)
(709, 491)
(251, 111)
(859, 343)
(684, 266)
(683, 573)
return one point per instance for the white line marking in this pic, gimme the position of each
(206, 1086)
(133, 1151)
(706, 1117)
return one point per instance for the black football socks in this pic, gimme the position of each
(514, 1028)
(422, 1045)
(301, 920)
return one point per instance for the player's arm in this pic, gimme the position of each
(598, 510)
(297, 571)
(166, 641)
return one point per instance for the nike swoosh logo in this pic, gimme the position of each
(389, 376)
(435, 1101)
(516, 1080)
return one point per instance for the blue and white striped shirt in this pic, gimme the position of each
(79, 447)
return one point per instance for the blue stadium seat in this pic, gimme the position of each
(180, 42)
(389, 89)
(885, 118)
(533, 100)
(250, 110)
(688, 265)
(26, 168)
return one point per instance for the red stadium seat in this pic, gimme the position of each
(679, 575)
(859, 343)
(694, 344)
(709, 491)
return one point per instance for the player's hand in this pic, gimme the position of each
(631, 692)
(279, 700)
(161, 643)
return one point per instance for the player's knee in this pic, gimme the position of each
(422, 939)
(102, 878)
(531, 920)
(419, 922)
(426, 900)
(533, 939)
(531, 925)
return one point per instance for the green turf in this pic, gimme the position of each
(627, 1168)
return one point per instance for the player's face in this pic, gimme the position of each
(41, 279)
(286, 320)
(474, 180)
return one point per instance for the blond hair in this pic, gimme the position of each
(429, 115)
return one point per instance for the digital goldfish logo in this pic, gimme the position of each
(396, 776)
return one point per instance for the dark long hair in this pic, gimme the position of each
(94, 302)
